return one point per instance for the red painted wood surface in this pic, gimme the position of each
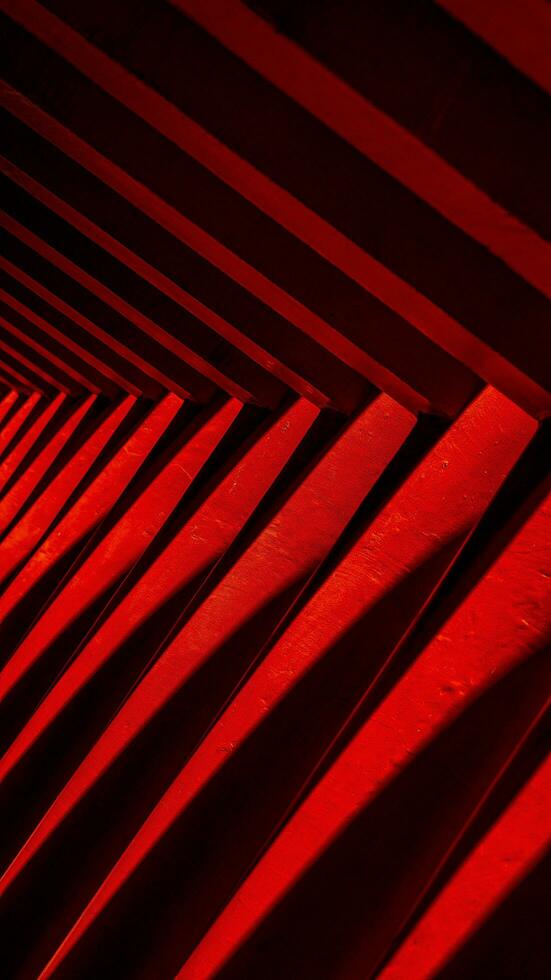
(508, 853)
(23, 535)
(275, 385)
(109, 561)
(15, 498)
(10, 429)
(436, 690)
(25, 444)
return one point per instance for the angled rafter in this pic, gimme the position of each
(101, 321)
(258, 329)
(262, 387)
(92, 339)
(79, 362)
(26, 355)
(521, 32)
(400, 275)
(43, 351)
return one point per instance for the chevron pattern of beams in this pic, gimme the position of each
(275, 548)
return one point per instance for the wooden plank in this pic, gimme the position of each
(480, 678)
(21, 539)
(499, 862)
(19, 493)
(112, 556)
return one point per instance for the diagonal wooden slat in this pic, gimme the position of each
(488, 875)
(522, 34)
(34, 524)
(41, 651)
(438, 689)
(12, 500)
(275, 677)
(28, 357)
(53, 411)
(150, 365)
(266, 393)
(255, 336)
(271, 199)
(196, 798)
(267, 317)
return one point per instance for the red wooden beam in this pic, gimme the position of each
(381, 330)
(27, 380)
(185, 320)
(75, 380)
(90, 509)
(6, 404)
(24, 356)
(144, 324)
(17, 420)
(254, 327)
(459, 667)
(504, 856)
(19, 493)
(113, 555)
(86, 360)
(129, 352)
(35, 523)
(54, 410)
(519, 32)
